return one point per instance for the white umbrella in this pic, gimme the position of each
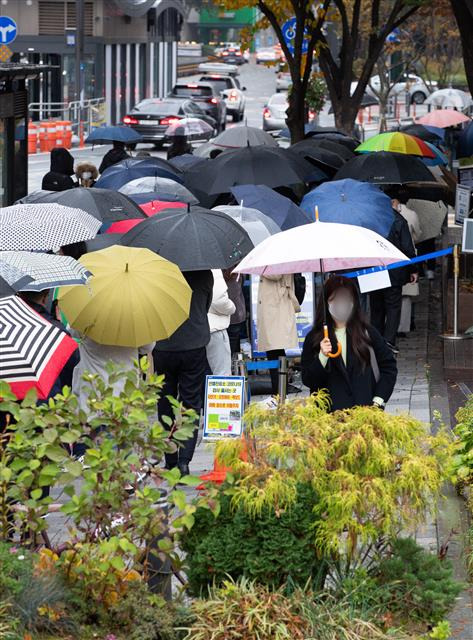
(166, 189)
(431, 216)
(47, 271)
(189, 127)
(320, 246)
(450, 99)
(258, 225)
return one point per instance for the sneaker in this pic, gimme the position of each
(430, 274)
(393, 348)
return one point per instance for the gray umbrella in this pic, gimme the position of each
(164, 189)
(258, 225)
(244, 136)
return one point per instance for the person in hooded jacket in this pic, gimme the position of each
(58, 177)
(365, 371)
(116, 154)
(180, 145)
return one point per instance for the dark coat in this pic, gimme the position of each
(179, 147)
(350, 385)
(400, 236)
(62, 168)
(116, 154)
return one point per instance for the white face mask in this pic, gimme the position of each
(86, 175)
(341, 310)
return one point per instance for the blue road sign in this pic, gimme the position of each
(289, 33)
(8, 30)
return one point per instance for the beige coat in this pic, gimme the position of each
(277, 306)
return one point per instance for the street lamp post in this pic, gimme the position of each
(79, 50)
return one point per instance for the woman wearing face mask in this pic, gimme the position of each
(365, 371)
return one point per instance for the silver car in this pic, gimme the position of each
(283, 81)
(274, 113)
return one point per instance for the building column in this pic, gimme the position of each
(152, 70)
(118, 87)
(174, 64)
(128, 73)
(138, 88)
(108, 84)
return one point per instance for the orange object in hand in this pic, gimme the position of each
(339, 346)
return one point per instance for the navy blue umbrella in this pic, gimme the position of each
(186, 161)
(109, 134)
(283, 211)
(145, 161)
(351, 202)
(465, 142)
(116, 177)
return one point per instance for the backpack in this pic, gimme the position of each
(299, 287)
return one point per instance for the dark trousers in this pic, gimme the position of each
(184, 373)
(274, 354)
(427, 246)
(385, 307)
(234, 333)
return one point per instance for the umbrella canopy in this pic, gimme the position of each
(159, 189)
(256, 224)
(186, 161)
(320, 246)
(282, 210)
(46, 271)
(443, 118)
(431, 191)
(155, 206)
(339, 138)
(195, 240)
(439, 158)
(465, 142)
(133, 298)
(398, 142)
(42, 227)
(351, 202)
(244, 136)
(250, 165)
(103, 241)
(335, 147)
(450, 99)
(431, 216)
(189, 127)
(425, 132)
(12, 280)
(110, 134)
(385, 167)
(142, 161)
(115, 177)
(33, 350)
(104, 204)
(322, 158)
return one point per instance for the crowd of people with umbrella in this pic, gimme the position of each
(152, 260)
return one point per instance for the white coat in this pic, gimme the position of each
(221, 308)
(276, 320)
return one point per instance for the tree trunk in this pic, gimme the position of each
(463, 10)
(296, 115)
(345, 115)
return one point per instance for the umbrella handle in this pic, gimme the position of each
(339, 346)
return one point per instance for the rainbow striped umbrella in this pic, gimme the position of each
(398, 142)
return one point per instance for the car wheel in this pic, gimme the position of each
(418, 98)
(224, 125)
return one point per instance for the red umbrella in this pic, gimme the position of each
(122, 226)
(443, 118)
(33, 351)
(155, 206)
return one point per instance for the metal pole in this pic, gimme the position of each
(456, 288)
(282, 387)
(79, 50)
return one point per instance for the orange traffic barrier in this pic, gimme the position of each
(42, 136)
(32, 137)
(67, 134)
(60, 133)
(50, 135)
(219, 471)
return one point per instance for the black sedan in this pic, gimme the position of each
(151, 117)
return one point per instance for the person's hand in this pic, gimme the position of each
(325, 347)
(414, 278)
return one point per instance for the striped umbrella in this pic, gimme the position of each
(398, 142)
(42, 227)
(33, 351)
(45, 271)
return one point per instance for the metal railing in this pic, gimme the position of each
(88, 113)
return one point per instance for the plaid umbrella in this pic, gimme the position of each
(12, 280)
(33, 350)
(42, 227)
(45, 270)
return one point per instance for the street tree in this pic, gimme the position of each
(463, 11)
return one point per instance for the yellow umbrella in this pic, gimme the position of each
(133, 298)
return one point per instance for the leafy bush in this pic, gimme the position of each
(416, 584)
(463, 460)
(373, 473)
(270, 547)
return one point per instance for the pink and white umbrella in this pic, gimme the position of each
(443, 118)
(320, 247)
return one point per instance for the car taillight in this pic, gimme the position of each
(225, 53)
(266, 113)
(129, 120)
(212, 101)
(233, 96)
(311, 115)
(169, 121)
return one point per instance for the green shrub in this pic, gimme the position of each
(463, 460)
(416, 584)
(16, 568)
(270, 548)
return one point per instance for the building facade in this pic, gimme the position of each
(130, 49)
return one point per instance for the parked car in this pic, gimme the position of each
(268, 54)
(283, 81)
(231, 91)
(274, 113)
(231, 45)
(151, 117)
(418, 89)
(207, 96)
(232, 56)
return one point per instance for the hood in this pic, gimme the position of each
(86, 166)
(62, 162)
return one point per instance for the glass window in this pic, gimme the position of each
(2, 162)
(190, 92)
(20, 187)
(157, 107)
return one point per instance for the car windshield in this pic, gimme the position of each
(192, 91)
(156, 107)
(191, 107)
(220, 84)
(278, 100)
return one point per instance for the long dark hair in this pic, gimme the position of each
(357, 325)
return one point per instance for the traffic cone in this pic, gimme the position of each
(219, 471)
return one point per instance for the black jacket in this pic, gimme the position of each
(195, 332)
(350, 385)
(400, 236)
(62, 168)
(117, 154)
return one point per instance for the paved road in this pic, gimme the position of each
(259, 81)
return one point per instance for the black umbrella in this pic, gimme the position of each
(431, 191)
(273, 167)
(194, 240)
(424, 133)
(334, 147)
(320, 157)
(186, 161)
(339, 138)
(103, 241)
(103, 204)
(385, 167)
